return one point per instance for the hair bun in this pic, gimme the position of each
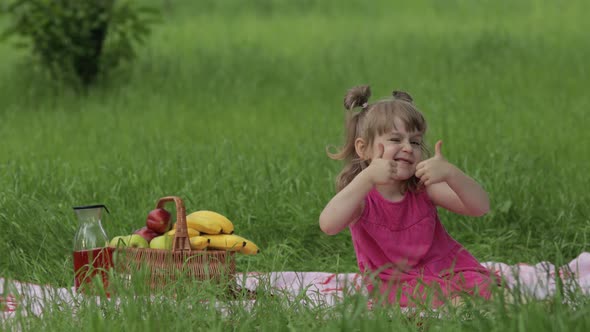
(402, 95)
(357, 96)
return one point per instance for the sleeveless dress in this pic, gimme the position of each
(411, 257)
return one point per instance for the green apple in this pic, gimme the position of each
(137, 241)
(130, 241)
(162, 242)
(118, 241)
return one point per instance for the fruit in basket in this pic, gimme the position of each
(229, 242)
(191, 232)
(146, 233)
(129, 241)
(162, 242)
(209, 222)
(205, 227)
(158, 220)
(250, 248)
(118, 241)
(199, 242)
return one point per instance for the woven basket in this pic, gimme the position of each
(165, 266)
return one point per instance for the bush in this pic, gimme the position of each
(79, 39)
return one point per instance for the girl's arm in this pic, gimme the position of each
(460, 194)
(450, 188)
(346, 206)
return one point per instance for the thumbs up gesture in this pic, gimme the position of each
(382, 169)
(436, 169)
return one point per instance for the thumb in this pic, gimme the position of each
(437, 149)
(380, 151)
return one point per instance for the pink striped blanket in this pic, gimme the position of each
(538, 281)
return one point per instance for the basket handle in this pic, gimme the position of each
(181, 241)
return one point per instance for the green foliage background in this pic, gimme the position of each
(69, 39)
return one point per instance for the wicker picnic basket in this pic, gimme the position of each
(165, 266)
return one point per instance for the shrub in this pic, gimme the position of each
(79, 39)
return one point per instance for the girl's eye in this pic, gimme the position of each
(397, 140)
(416, 143)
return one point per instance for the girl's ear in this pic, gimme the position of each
(360, 147)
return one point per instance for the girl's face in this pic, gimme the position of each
(402, 146)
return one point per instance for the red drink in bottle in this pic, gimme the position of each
(92, 257)
(90, 263)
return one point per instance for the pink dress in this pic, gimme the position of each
(415, 261)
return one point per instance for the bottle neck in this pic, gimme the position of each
(90, 233)
(89, 216)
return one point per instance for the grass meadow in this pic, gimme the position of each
(231, 105)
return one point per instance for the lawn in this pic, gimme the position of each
(231, 105)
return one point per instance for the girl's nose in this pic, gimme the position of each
(407, 146)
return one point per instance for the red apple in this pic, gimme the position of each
(146, 233)
(158, 220)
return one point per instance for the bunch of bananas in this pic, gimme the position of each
(209, 229)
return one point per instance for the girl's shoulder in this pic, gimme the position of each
(422, 194)
(423, 197)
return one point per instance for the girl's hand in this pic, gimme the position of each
(436, 169)
(382, 171)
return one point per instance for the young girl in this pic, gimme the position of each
(387, 196)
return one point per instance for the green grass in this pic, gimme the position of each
(230, 106)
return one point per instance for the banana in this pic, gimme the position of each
(187, 226)
(209, 222)
(250, 248)
(191, 232)
(199, 242)
(204, 226)
(229, 242)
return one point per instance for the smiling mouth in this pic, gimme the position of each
(403, 160)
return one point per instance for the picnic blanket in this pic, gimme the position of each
(538, 281)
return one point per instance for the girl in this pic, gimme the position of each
(387, 195)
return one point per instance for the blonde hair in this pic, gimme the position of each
(370, 121)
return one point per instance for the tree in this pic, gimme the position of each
(79, 39)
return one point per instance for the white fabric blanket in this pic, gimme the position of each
(319, 288)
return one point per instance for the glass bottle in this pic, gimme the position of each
(92, 256)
